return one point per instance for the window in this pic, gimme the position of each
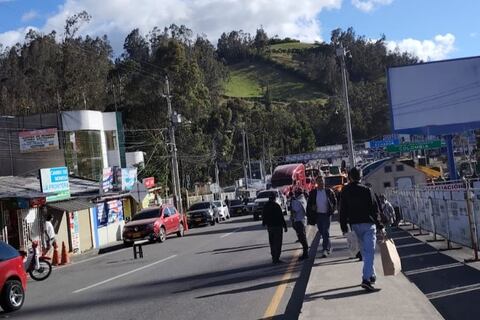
(388, 169)
(111, 138)
(399, 167)
(83, 154)
(7, 252)
(387, 184)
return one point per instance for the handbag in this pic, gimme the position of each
(390, 259)
(352, 241)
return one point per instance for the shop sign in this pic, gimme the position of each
(149, 182)
(38, 140)
(55, 181)
(376, 144)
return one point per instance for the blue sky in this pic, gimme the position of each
(431, 29)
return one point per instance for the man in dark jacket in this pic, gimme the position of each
(359, 209)
(321, 204)
(272, 216)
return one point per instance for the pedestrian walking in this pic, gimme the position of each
(299, 219)
(388, 213)
(359, 210)
(49, 234)
(322, 203)
(272, 218)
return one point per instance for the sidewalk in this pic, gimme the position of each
(334, 292)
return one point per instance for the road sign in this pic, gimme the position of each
(139, 192)
(413, 146)
(376, 144)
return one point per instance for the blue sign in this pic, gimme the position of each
(129, 178)
(377, 144)
(102, 216)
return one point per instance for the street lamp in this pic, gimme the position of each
(340, 52)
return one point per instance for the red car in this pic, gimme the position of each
(153, 224)
(13, 279)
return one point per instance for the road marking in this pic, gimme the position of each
(429, 269)
(226, 235)
(409, 245)
(419, 255)
(278, 295)
(449, 292)
(124, 274)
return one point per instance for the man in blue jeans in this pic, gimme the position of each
(322, 203)
(359, 209)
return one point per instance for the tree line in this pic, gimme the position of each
(53, 72)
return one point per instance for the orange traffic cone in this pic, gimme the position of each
(65, 257)
(55, 259)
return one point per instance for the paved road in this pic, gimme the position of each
(220, 272)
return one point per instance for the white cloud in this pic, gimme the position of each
(292, 18)
(427, 50)
(12, 37)
(370, 5)
(30, 15)
(473, 34)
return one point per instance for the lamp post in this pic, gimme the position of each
(341, 54)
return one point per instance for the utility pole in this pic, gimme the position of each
(341, 54)
(217, 180)
(171, 130)
(248, 158)
(244, 159)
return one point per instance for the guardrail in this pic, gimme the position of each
(449, 210)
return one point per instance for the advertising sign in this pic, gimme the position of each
(115, 211)
(38, 140)
(129, 177)
(149, 182)
(106, 184)
(55, 181)
(74, 231)
(102, 217)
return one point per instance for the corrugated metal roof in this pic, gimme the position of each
(71, 205)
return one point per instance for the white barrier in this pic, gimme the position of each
(453, 213)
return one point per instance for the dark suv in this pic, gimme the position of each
(202, 213)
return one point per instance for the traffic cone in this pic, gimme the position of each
(55, 259)
(65, 257)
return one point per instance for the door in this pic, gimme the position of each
(175, 216)
(404, 182)
(167, 220)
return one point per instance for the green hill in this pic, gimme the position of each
(250, 80)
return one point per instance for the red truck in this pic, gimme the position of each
(287, 176)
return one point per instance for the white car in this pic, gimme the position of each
(222, 209)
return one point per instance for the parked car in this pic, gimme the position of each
(13, 279)
(202, 213)
(222, 209)
(262, 199)
(154, 224)
(236, 207)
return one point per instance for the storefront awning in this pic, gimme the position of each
(71, 205)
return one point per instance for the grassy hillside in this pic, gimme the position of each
(249, 80)
(292, 45)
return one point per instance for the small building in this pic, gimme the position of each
(394, 173)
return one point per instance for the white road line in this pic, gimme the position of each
(124, 274)
(409, 245)
(227, 234)
(429, 269)
(449, 292)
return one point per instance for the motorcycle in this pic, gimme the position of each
(38, 266)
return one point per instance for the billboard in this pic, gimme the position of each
(435, 98)
(55, 182)
(38, 140)
(106, 184)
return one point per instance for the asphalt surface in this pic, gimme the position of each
(214, 272)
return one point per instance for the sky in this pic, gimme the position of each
(430, 29)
